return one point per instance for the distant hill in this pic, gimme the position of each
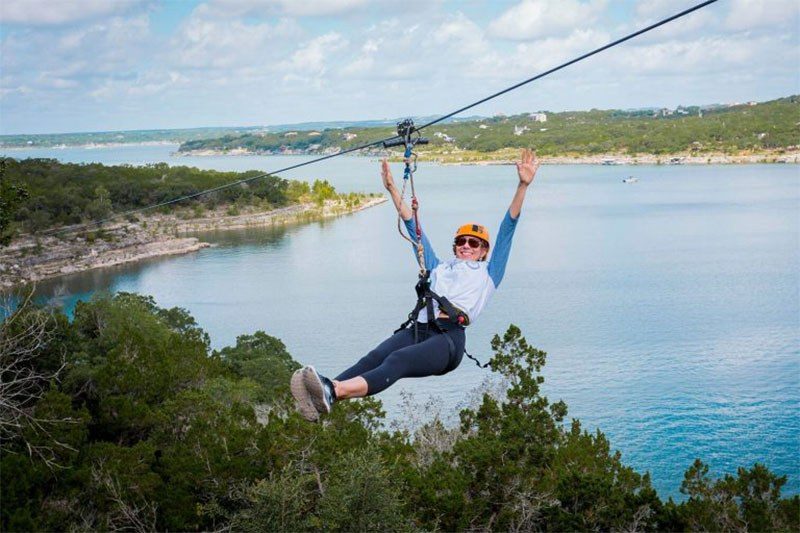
(119, 137)
(183, 135)
(754, 126)
(726, 128)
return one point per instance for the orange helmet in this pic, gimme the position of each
(475, 230)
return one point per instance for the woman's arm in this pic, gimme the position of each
(405, 213)
(526, 170)
(388, 182)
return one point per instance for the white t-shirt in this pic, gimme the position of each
(468, 285)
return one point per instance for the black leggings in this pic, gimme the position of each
(399, 357)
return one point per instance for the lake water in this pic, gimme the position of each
(670, 308)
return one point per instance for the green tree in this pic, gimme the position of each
(161, 433)
(516, 467)
(263, 359)
(100, 206)
(361, 493)
(12, 197)
(750, 501)
(321, 190)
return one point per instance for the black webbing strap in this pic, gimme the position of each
(425, 299)
(484, 365)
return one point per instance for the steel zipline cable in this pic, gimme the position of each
(393, 139)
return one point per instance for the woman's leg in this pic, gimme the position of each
(428, 358)
(374, 358)
(350, 388)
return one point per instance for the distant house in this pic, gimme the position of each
(538, 117)
(445, 137)
(290, 134)
(350, 136)
(483, 126)
(519, 130)
(314, 134)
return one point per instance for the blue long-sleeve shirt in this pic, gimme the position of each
(467, 284)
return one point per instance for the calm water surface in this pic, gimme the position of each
(670, 308)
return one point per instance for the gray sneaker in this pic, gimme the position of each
(320, 389)
(302, 397)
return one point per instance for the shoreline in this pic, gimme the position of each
(506, 156)
(503, 156)
(643, 160)
(89, 146)
(30, 259)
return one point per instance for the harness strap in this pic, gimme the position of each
(425, 298)
(484, 365)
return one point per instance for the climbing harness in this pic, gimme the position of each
(408, 136)
(425, 299)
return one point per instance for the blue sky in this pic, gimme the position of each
(96, 65)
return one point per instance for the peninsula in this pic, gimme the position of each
(46, 235)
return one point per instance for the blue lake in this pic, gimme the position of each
(670, 308)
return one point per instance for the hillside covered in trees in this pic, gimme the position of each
(767, 126)
(47, 193)
(124, 418)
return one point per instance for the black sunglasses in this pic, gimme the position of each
(473, 242)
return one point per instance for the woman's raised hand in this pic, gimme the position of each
(386, 175)
(527, 166)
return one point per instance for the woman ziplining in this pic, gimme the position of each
(432, 341)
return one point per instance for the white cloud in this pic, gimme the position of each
(699, 56)
(692, 25)
(246, 61)
(531, 58)
(49, 12)
(461, 45)
(389, 52)
(19, 89)
(291, 8)
(652, 10)
(205, 41)
(54, 60)
(536, 19)
(146, 85)
(435, 48)
(755, 14)
(311, 60)
(47, 80)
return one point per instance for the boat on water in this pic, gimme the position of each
(630, 179)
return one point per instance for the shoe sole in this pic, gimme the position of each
(302, 398)
(316, 390)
